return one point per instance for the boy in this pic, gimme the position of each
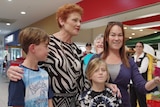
(33, 89)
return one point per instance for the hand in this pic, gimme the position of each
(114, 88)
(15, 73)
(157, 80)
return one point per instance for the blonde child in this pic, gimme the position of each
(98, 95)
(33, 89)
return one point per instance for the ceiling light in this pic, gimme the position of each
(148, 15)
(23, 12)
(141, 30)
(133, 33)
(146, 25)
(155, 31)
(8, 24)
(130, 37)
(125, 27)
(9, 0)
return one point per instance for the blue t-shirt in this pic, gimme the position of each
(32, 90)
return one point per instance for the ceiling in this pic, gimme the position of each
(132, 18)
(39, 9)
(35, 11)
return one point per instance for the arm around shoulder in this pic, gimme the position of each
(15, 73)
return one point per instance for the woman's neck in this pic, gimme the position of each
(63, 36)
(113, 57)
(138, 53)
(113, 52)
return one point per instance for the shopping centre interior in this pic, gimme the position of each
(141, 19)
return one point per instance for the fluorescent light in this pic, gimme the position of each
(148, 15)
(146, 25)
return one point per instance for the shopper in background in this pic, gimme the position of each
(98, 47)
(33, 89)
(98, 44)
(98, 95)
(5, 66)
(121, 68)
(142, 62)
(88, 49)
(5, 62)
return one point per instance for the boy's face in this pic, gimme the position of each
(41, 51)
(100, 75)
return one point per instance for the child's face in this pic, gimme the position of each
(41, 51)
(100, 75)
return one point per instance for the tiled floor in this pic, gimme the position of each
(3, 91)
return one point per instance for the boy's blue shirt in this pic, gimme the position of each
(32, 90)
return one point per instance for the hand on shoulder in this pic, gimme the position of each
(15, 73)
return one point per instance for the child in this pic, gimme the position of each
(98, 95)
(33, 89)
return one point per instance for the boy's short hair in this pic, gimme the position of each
(32, 35)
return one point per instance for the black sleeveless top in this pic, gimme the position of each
(139, 64)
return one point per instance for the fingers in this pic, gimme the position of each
(12, 77)
(119, 93)
(157, 80)
(15, 73)
(115, 88)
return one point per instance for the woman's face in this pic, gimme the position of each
(98, 45)
(72, 24)
(115, 39)
(139, 48)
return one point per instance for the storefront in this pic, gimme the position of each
(12, 46)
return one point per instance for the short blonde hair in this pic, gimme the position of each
(32, 35)
(65, 10)
(93, 65)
